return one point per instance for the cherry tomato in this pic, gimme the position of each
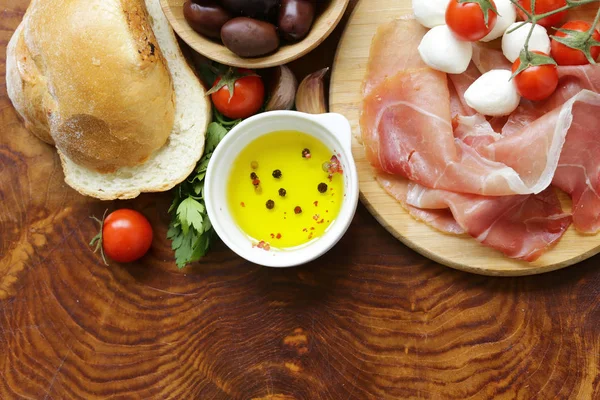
(565, 55)
(466, 20)
(248, 96)
(542, 7)
(126, 235)
(536, 82)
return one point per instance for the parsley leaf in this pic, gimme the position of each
(189, 213)
(190, 230)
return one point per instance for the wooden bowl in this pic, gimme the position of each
(326, 20)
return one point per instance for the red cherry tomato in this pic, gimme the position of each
(565, 55)
(466, 20)
(126, 235)
(542, 7)
(248, 97)
(536, 82)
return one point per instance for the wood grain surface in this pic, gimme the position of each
(370, 320)
(329, 15)
(461, 252)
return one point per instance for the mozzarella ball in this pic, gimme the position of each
(493, 94)
(513, 43)
(441, 50)
(430, 13)
(507, 15)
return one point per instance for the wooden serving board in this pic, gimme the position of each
(461, 252)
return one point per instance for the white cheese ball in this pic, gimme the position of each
(507, 15)
(430, 13)
(441, 50)
(493, 94)
(513, 43)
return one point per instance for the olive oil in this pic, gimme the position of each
(281, 192)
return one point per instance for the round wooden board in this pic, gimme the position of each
(325, 23)
(461, 252)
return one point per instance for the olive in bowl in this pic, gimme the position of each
(261, 9)
(296, 18)
(206, 17)
(248, 37)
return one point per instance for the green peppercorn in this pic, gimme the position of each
(270, 204)
(254, 165)
(277, 174)
(322, 187)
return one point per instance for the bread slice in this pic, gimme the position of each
(167, 166)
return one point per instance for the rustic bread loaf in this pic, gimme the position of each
(106, 82)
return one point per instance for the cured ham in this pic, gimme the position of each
(521, 227)
(385, 59)
(440, 219)
(578, 172)
(459, 171)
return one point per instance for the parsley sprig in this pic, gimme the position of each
(190, 229)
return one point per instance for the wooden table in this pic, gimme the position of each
(370, 320)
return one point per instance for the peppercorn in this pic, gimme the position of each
(306, 153)
(322, 187)
(297, 210)
(270, 204)
(253, 176)
(282, 192)
(326, 166)
(254, 165)
(277, 174)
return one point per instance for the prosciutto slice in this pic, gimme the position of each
(487, 59)
(386, 56)
(440, 219)
(578, 171)
(521, 227)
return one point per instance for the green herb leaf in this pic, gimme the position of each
(486, 6)
(214, 134)
(190, 215)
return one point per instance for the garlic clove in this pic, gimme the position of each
(311, 93)
(283, 90)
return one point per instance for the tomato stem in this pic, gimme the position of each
(590, 31)
(97, 240)
(534, 19)
(531, 17)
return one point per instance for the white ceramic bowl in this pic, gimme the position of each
(331, 129)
